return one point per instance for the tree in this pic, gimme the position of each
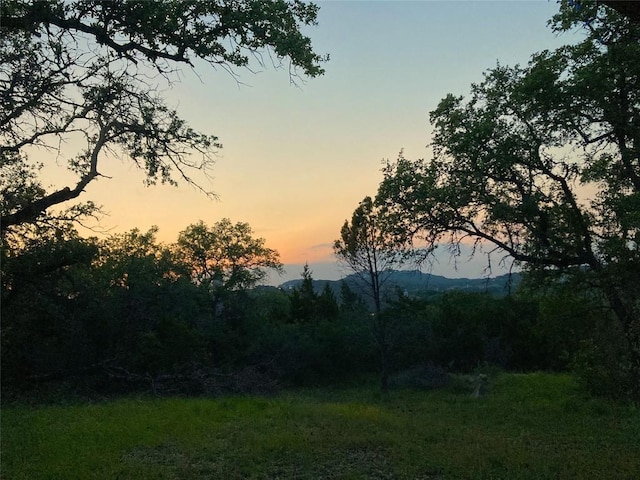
(351, 302)
(150, 309)
(542, 162)
(369, 249)
(226, 257)
(327, 306)
(88, 73)
(307, 306)
(625, 7)
(304, 299)
(371, 252)
(47, 305)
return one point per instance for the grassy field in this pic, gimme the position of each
(533, 426)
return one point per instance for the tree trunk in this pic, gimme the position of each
(630, 322)
(383, 346)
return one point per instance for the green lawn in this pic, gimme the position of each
(533, 426)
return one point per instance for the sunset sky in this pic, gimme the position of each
(297, 160)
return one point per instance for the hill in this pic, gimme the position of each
(419, 284)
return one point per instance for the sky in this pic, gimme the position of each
(296, 160)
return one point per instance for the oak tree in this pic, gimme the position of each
(542, 162)
(225, 257)
(80, 81)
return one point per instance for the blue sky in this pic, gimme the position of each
(297, 159)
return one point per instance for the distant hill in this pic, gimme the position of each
(419, 284)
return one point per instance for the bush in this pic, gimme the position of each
(304, 354)
(421, 377)
(603, 364)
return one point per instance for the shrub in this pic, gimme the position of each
(603, 364)
(421, 377)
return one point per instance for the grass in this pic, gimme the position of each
(533, 426)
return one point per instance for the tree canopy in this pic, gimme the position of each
(226, 256)
(86, 76)
(370, 250)
(625, 7)
(542, 162)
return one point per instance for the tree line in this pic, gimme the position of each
(130, 314)
(539, 165)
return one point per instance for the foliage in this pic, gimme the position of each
(314, 340)
(542, 164)
(304, 298)
(462, 330)
(371, 251)
(422, 377)
(154, 308)
(126, 310)
(307, 305)
(629, 9)
(20, 189)
(315, 353)
(327, 305)
(89, 73)
(603, 364)
(128, 314)
(351, 302)
(225, 257)
(541, 161)
(47, 304)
